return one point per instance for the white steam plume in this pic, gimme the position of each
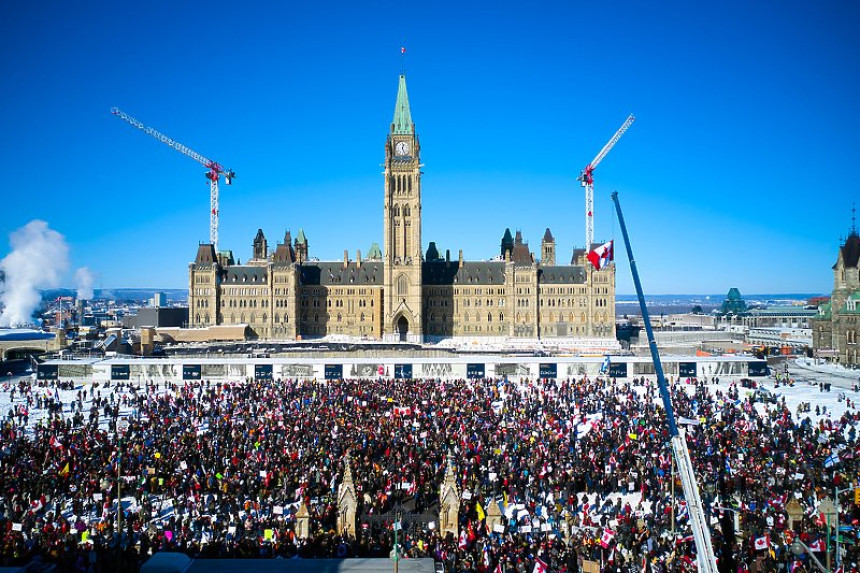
(38, 259)
(84, 279)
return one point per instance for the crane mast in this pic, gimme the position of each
(587, 179)
(216, 170)
(701, 534)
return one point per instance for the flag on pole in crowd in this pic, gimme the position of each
(762, 542)
(601, 256)
(817, 546)
(65, 470)
(831, 460)
(606, 364)
(480, 511)
(540, 566)
(606, 538)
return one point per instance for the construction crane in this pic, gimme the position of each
(216, 170)
(587, 180)
(705, 558)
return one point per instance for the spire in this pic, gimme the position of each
(301, 239)
(853, 220)
(402, 124)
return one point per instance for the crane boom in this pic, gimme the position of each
(216, 170)
(587, 179)
(701, 534)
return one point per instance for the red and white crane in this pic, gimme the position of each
(587, 180)
(216, 170)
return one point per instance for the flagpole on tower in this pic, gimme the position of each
(402, 60)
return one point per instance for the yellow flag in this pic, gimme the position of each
(480, 510)
(65, 470)
(268, 534)
(504, 493)
(85, 535)
(633, 436)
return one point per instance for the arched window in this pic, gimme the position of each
(402, 285)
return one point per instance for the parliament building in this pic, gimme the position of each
(835, 328)
(399, 293)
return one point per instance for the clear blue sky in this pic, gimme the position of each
(739, 171)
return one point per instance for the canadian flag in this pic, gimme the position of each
(540, 566)
(606, 538)
(55, 443)
(762, 542)
(601, 256)
(464, 542)
(817, 545)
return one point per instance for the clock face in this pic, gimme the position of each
(402, 148)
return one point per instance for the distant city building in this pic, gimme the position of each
(733, 304)
(157, 317)
(836, 324)
(159, 299)
(398, 293)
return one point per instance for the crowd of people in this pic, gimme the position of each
(581, 470)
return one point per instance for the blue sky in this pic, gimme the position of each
(739, 171)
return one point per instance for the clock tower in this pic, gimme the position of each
(402, 226)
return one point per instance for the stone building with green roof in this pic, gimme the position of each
(399, 292)
(834, 329)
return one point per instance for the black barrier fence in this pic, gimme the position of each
(618, 370)
(333, 371)
(475, 370)
(48, 372)
(403, 371)
(757, 368)
(192, 372)
(120, 372)
(549, 370)
(687, 369)
(264, 372)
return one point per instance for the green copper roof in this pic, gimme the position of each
(300, 239)
(402, 123)
(375, 252)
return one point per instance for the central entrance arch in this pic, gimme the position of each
(402, 328)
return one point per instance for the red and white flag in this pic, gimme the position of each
(402, 49)
(762, 542)
(606, 538)
(601, 256)
(817, 545)
(540, 566)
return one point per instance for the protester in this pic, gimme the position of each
(581, 470)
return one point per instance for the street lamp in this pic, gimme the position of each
(798, 548)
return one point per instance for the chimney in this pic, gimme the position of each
(345, 258)
(461, 258)
(358, 258)
(447, 255)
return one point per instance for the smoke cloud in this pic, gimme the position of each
(84, 279)
(38, 259)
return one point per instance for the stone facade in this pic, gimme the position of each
(399, 293)
(835, 328)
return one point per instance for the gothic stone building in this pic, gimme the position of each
(834, 330)
(399, 293)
